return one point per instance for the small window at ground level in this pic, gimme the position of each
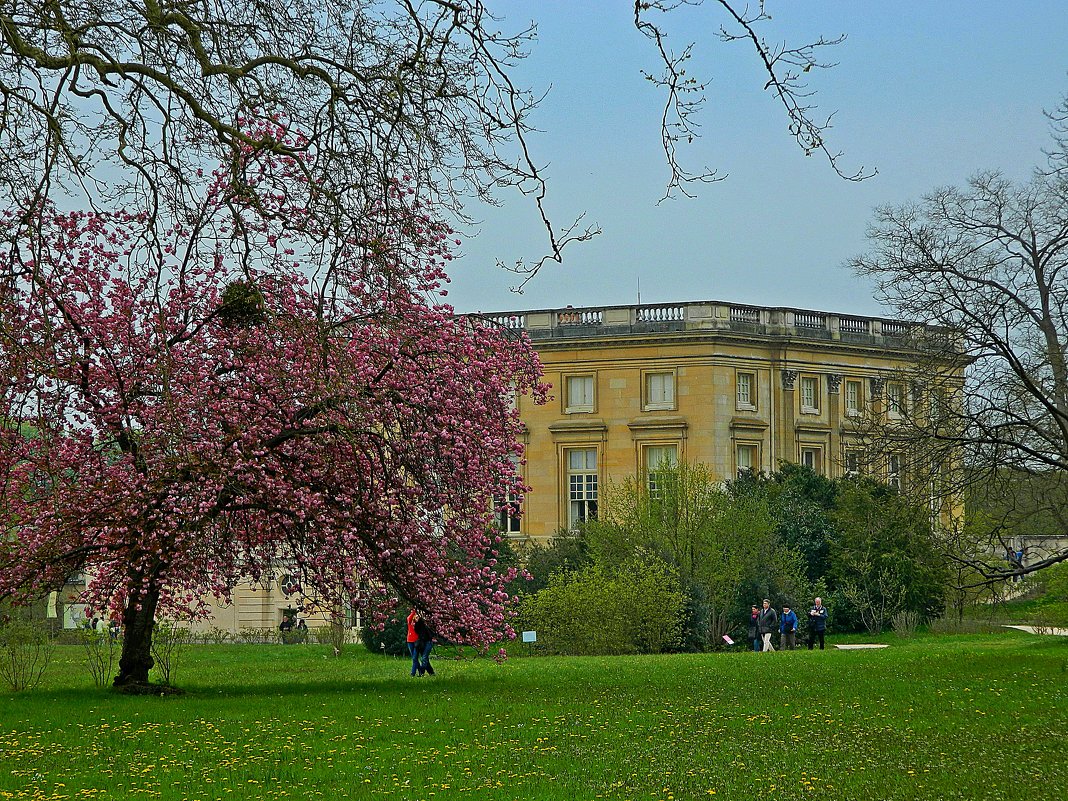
(746, 458)
(812, 458)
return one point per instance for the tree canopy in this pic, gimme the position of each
(202, 413)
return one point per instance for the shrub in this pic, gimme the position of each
(392, 639)
(334, 634)
(885, 556)
(215, 636)
(566, 552)
(295, 636)
(168, 643)
(905, 623)
(1056, 581)
(257, 636)
(637, 608)
(26, 648)
(101, 652)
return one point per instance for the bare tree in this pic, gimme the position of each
(986, 269)
(119, 103)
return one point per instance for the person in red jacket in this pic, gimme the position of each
(413, 640)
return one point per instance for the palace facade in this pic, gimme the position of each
(732, 386)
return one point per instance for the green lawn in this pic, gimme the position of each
(975, 717)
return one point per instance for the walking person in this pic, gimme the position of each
(817, 623)
(424, 645)
(754, 632)
(767, 622)
(788, 629)
(413, 641)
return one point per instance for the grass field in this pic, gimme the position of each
(975, 717)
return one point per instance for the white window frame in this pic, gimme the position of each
(752, 448)
(582, 485)
(667, 458)
(853, 454)
(587, 397)
(854, 397)
(894, 470)
(816, 452)
(895, 399)
(745, 401)
(662, 397)
(810, 382)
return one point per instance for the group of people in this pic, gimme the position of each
(294, 629)
(420, 644)
(764, 620)
(292, 623)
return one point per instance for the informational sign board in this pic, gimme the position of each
(530, 636)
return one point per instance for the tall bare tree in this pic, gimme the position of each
(124, 100)
(986, 267)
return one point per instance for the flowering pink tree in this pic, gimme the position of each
(248, 398)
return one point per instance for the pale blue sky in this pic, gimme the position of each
(927, 92)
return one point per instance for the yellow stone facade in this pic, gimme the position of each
(727, 385)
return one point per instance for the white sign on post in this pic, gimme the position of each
(530, 636)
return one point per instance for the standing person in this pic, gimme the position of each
(424, 645)
(767, 622)
(788, 629)
(413, 640)
(754, 632)
(817, 623)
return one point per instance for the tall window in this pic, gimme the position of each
(579, 393)
(812, 458)
(746, 390)
(893, 470)
(581, 486)
(810, 394)
(934, 493)
(852, 398)
(659, 390)
(939, 406)
(746, 458)
(895, 398)
(659, 460)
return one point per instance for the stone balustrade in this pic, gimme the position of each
(600, 321)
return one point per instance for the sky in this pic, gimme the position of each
(927, 93)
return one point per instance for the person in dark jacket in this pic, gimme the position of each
(754, 633)
(424, 645)
(788, 629)
(767, 622)
(817, 623)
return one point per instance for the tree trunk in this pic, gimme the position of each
(138, 621)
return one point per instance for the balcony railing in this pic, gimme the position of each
(579, 317)
(744, 314)
(659, 314)
(854, 325)
(701, 315)
(810, 320)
